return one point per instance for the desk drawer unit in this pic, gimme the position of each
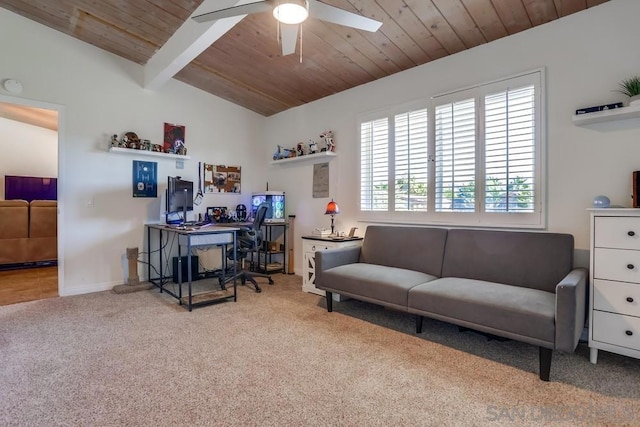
(614, 312)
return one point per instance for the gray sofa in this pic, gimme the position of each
(517, 285)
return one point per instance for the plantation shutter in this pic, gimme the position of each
(455, 139)
(411, 161)
(510, 150)
(374, 165)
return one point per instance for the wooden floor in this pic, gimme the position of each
(28, 284)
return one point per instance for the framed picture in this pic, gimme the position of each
(174, 139)
(145, 179)
(222, 179)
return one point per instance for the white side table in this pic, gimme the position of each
(312, 244)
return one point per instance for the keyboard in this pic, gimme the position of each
(194, 223)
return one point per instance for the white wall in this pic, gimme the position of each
(99, 94)
(585, 56)
(18, 139)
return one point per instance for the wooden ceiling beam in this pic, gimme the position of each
(189, 41)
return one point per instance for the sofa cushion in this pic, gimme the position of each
(412, 248)
(527, 259)
(43, 218)
(520, 311)
(14, 219)
(374, 283)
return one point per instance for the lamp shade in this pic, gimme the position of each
(291, 11)
(332, 208)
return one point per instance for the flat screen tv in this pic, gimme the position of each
(275, 199)
(179, 195)
(30, 188)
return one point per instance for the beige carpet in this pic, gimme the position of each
(279, 359)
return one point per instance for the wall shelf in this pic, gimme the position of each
(323, 156)
(623, 113)
(149, 153)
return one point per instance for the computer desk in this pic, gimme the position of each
(190, 238)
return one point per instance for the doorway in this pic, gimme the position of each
(33, 130)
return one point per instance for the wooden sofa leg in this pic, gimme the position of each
(329, 301)
(419, 324)
(545, 363)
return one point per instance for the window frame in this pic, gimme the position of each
(535, 219)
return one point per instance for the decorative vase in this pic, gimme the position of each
(634, 100)
(601, 202)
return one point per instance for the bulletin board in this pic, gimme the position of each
(222, 179)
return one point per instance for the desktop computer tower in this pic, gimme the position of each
(185, 271)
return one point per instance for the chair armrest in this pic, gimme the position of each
(571, 297)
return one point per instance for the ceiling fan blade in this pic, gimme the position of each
(288, 38)
(245, 9)
(339, 16)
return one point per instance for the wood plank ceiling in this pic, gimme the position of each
(245, 65)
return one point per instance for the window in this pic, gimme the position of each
(479, 163)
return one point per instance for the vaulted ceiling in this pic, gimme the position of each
(244, 64)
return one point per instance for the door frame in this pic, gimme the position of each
(61, 139)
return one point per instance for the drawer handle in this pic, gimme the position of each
(313, 248)
(629, 299)
(630, 266)
(631, 233)
(628, 333)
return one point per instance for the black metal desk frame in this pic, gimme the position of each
(192, 238)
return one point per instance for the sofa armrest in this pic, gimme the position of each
(333, 258)
(571, 296)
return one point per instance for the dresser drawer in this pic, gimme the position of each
(616, 264)
(616, 297)
(616, 329)
(618, 232)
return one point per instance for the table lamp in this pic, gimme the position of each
(332, 209)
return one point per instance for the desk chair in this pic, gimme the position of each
(249, 239)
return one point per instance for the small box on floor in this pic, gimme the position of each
(273, 246)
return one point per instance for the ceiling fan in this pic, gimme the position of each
(290, 14)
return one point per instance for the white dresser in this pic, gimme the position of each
(614, 300)
(311, 244)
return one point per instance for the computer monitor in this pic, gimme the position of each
(179, 196)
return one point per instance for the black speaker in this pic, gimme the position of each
(185, 271)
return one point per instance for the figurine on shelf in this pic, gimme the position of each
(114, 141)
(157, 148)
(282, 153)
(313, 147)
(329, 143)
(130, 140)
(300, 149)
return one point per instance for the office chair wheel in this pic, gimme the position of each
(271, 281)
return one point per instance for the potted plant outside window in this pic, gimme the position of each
(631, 88)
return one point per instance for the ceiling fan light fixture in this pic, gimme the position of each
(291, 11)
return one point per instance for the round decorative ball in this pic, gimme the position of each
(601, 202)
